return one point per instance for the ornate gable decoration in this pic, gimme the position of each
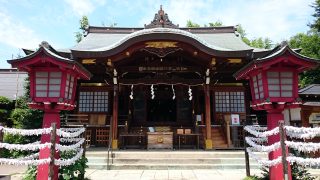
(161, 19)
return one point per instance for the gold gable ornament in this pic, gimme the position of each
(161, 44)
(88, 61)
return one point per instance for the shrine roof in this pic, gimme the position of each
(313, 89)
(273, 54)
(217, 38)
(47, 49)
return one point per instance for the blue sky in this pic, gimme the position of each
(25, 23)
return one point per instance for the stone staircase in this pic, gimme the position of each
(163, 160)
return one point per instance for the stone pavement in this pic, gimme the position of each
(94, 174)
(236, 174)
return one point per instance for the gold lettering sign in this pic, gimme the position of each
(88, 61)
(235, 61)
(161, 44)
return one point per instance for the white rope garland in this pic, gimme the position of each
(70, 134)
(256, 133)
(26, 132)
(258, 140)
(70, 139)
(304, 161)
(19, 162)
(302, 132)
(67, 162)
(71, 129)
(30, 157)
(25, 147)
(257, 128)
(266, 163)
(69, 147)
(303, 146)
(262, 148)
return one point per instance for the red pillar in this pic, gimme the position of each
(276, 172)
(50, 116)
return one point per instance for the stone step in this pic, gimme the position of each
(171, 166)
(171, 161)
(143, 154)
(161, 160)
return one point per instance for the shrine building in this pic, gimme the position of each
(165, 86)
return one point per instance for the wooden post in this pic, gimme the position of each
(246, 155)
(208, 117)
(1, 136)
(283, 150)
(84, 145)
(52, 149)
(115, 117)
(228, 132)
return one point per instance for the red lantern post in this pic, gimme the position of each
(274, 87)
(53, 82)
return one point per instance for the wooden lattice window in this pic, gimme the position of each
(258, 86)
(97, 101)
(69, 86)
(229, 101)
(102, 136)
(280, 84)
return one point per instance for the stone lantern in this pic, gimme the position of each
(274, 87)
(53, 82)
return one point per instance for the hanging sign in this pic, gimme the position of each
(235, 119)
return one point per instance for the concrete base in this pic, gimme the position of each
(208, 144)
(115, 144)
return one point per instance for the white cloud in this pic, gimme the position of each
(16, 34)
(84, 7)
(275, 19)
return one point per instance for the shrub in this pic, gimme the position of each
(4, 101)
(74, 171)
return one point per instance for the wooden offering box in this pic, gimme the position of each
(160, 140)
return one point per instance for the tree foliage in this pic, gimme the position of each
(316, 23)
(310, 47)
(84, 24)
(191, 24)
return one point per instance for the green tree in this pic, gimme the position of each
(84, 24)
(316, 23)
(216, 24)
(310, 47)
(191, 24)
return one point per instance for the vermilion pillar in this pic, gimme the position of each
(50, 116)
(275, 172)
(208, 117)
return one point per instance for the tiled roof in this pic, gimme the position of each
(313, 89)
(219, 41)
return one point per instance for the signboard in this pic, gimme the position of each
(235, 119)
